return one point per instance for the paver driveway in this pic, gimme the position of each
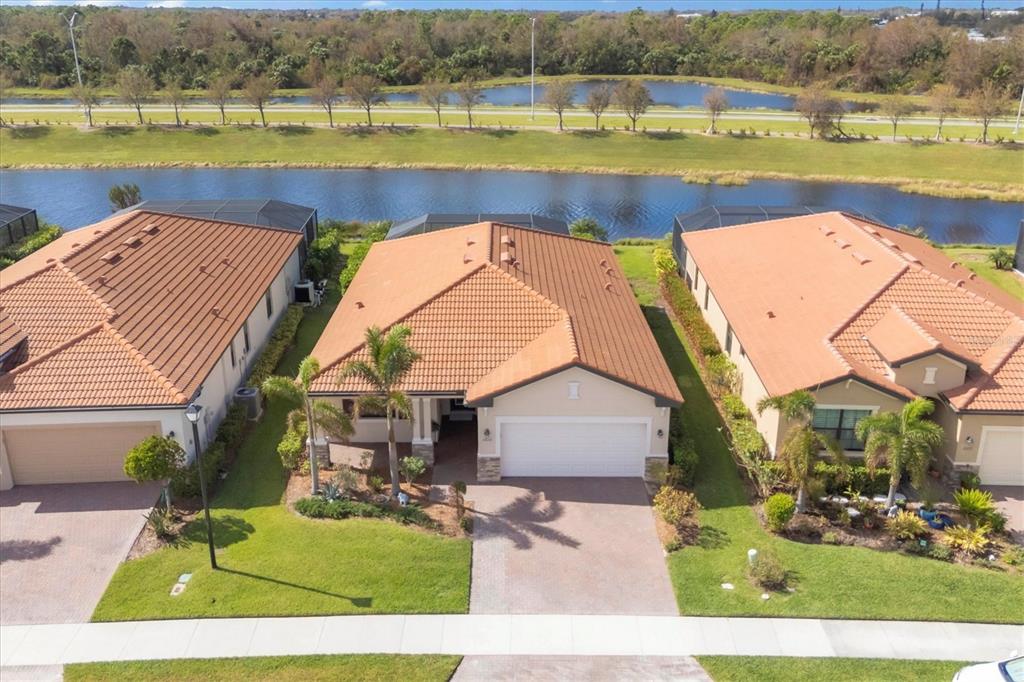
(567, 545)
(60, 544)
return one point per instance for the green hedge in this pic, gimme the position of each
(280, 341)
(232, 429)
(320, 508)
(859, 479)
(26, 245)
(185, 482)
(374, 234)
(685, 459)
(685, 307)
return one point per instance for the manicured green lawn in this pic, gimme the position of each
(379, 667)
(274, 562)
(782, 669)
(835, 582)
(578, 151)
(976, 258)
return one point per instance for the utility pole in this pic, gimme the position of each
(1020, 109)
(74, 46)
(532, 53)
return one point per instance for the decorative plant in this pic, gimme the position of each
(674, 505)
(390, 359)
(375, 483)
(412, 468)
(906, 526)
(156, 458)
(976, 505)
(767, 571)
(778, 510)
(1001, 258)
(970, 541)
(969, 479)
(904, 442)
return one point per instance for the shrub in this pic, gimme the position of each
(159, 521)
(412, 468)
(1014, 556)
(154, 459)
(232, 428)
(767, 571)
(29, 243)
(997, 521)
(674, 505)
(976, 505)
(466, 524)
(1001, 258)
(673, 545)
(320, 508)
(292, 448)
(683, 470)
(685, 307)
(969, 479)
(374, 233)
(185, 481)
(778, 510)
(830, 537)
(375, 483)
(970, 541)
(722, 374)
(734, 407)
(838, 479)
(906, 526)
(664, 261)
(279, 342)
(746, 438)
(346, 479)
(940, 553)
(588, 228)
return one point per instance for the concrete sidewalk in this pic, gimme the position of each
(506, 635)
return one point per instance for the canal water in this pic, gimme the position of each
(629, 206)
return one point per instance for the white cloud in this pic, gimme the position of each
(166, 4)
(374, 4)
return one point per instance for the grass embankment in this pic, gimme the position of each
(785, 669)
(378, 667)
(276, 563)
(976, 258)
(993, 172)
(830, 581)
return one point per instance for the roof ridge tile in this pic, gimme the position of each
(103, 305)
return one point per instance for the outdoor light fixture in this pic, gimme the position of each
(192, 414)
(969, 440)
(487, 434)
(661, 433)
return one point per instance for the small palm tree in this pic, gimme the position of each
(390, 360)
(312, 413)
(904, 442)
(802, 445)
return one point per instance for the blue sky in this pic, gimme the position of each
(543, 5)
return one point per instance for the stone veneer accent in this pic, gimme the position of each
(655, 469)
(488, 469)
(425, 451)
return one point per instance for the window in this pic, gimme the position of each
(245, 336)
(840, 424)
(574, 390)
(728, 339)
(232, 347)
(696, 279)
(689, 281)
(929, 374)
(743, 353)
(707, 294)
(269, 298)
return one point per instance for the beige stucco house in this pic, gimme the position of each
(533, 336)
(866, 318)
(110, 332)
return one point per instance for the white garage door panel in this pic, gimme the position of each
(551, 448)
(1002, 457)
(72, 454)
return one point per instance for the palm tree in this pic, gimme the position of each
(802, 444)
(312, 413)
(902, 441)
(390, 359)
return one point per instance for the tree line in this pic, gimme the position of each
(193, 49)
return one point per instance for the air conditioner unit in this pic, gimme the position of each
(251, 399)
(305, 293)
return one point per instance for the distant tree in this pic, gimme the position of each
(135, 88)
(123, 196)
(364, 92)
(942, 103)
(633, 98)
(819, 109)
(434, 93)
(257, 91)
(470, 95)
(588, 228)
(175, 96)
(598, 100)
(219, 93)
(896, 108)
(325, 92)
(559, 96)
(87, 98)
(5, 84)
(123, 52)
(715, 102)
(985, 104)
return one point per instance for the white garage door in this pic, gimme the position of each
(1002, 456)
(553, 448)
(72, 454)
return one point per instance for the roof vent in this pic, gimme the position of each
(134, 241)
(110, 257)
(151, 229)
(972, 275)
(910, 257)
(216, 311)
(505, 239)
(861, 258)
(506, 257)
(953, 265)
(359, 304)
(959, 282)
(101, 280)
(226, 261)
(604, 262)
(50, 260)
(771, 315)
(470, 241)
(842, 243)
(466, 258)
(202, 269)
(608, 271)
(607, 286)
(890, 243)
(826, 230)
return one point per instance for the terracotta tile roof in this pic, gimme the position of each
(135, 310)
(492, 306)
(835, 314)
(10, 334)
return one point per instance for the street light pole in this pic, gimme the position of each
(533, 25)
(192, 412)
(1020, 109)
(74, 49)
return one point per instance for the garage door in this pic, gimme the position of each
(72, 454)
(552, 448)
(1002, 456)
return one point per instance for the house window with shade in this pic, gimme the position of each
(841, 424)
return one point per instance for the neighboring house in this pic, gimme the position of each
(16, 223)
(865, 317)
(1018, 254)
(431, 222)
(535, 336)
(108, 333)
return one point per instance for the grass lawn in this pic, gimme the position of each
(283, 668)
(783, 669)
(591, 151)
(274, 562)
(976, 258)
(830, 581)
